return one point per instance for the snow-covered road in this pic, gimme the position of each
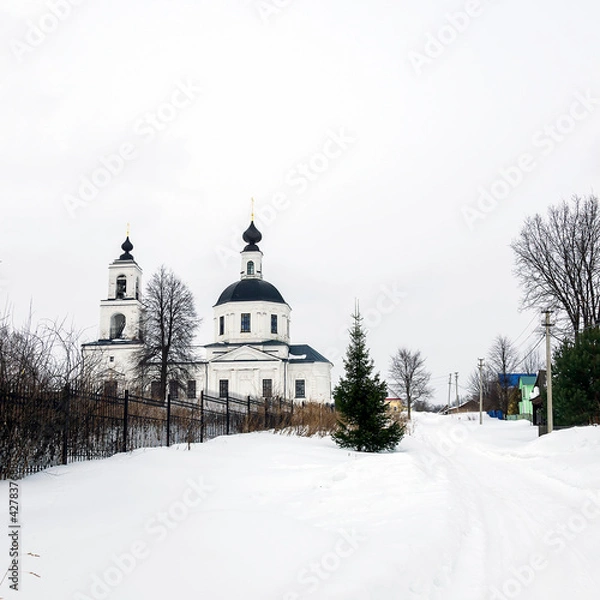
(459, 511)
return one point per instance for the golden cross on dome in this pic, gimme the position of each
(252, 217)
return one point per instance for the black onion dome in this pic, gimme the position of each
(252, 236)
(127, 247)
(250, 290)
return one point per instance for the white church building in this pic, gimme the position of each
(251, 355)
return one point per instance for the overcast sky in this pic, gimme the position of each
(393, 149)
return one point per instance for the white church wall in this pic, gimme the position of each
(112, 362)
(260, 322)
(317, 378)
(130, 309)
(246, 378)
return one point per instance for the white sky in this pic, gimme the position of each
(268, 93)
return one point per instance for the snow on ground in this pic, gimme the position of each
(459, 511)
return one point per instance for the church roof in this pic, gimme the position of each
(304, 353)
(249, 290)
(298, 353)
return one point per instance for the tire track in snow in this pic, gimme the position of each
(504, 508)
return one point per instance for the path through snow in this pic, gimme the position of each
(459, 511)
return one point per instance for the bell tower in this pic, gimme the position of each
(121, 311)
(251, 254)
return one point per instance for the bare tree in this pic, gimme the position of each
(558, 262)
(503, 359)
(490, 388)
(409, 376)
(532, 363)
(168, 324)
(46, 357)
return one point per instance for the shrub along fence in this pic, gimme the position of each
(41, 429)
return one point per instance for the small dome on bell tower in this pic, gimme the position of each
(127, 247)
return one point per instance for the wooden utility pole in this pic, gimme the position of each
(480, 391)
(457, 401)
(449, 389)
(550, 414)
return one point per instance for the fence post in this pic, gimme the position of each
(65, 437)
(266, 410)
(125, 420)
(168, 420)
(201, 417)
(227, 399)
(249, 406)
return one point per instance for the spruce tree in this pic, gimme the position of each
(364, 423)
(576, 380)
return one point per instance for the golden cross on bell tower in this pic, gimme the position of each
(252, 215)
(127, 229)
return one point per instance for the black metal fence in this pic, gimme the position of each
(41, 429)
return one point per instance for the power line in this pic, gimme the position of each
(536, 330)
(530, 352)
(524, 330)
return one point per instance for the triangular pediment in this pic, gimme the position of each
(244, 354)
(111, 373)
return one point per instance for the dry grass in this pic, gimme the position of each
(402, 419)
(253, 422)
(309, 419)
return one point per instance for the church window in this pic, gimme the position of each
(245, 323)
(223, 388)
(250, 268)
(121, 287)
(111, 359)
(267, 385)
(155, 390)
(222, 325)
(273, 323)
(117, 326)
(137, 288)
(300, 388)
(174, 389)
(191, 389)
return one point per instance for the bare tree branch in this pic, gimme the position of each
(558, 262)
(409, 376)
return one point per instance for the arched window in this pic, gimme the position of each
(250, 268)
(137, 288)
(121, 287)
(117, 326)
